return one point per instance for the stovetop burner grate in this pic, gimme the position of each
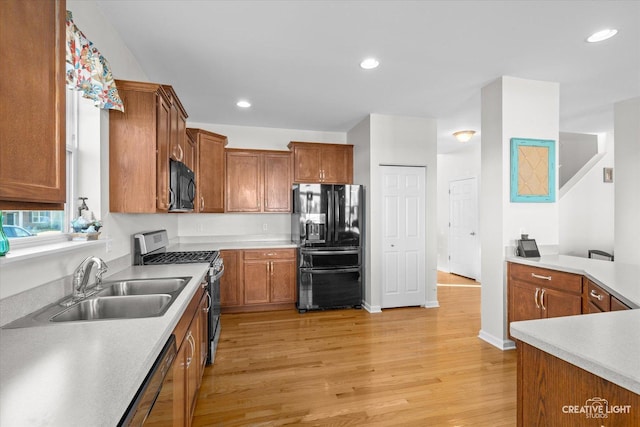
(190, 257)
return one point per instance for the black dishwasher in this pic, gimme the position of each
(155, 396)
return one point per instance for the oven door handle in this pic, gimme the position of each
(330, 252)
(219, 274)
(330, 270)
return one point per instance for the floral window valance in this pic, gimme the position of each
(88, 71)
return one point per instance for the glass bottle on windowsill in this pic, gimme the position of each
(4, 240)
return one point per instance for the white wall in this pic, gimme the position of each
(360, 137)
(627, 176)
(511, 107)
(587, 209)
(459, 164)
(409, 141)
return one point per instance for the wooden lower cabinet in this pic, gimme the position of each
(537, 293)
(258, 280)
(188, 366)
(551, 392)
(597, 300)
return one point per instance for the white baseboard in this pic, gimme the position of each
(370, 308)
(497, 342)
(432, 304)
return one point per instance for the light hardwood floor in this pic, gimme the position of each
(404, 367)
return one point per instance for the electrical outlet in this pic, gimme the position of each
(109, 246)
(199, 227)
(265, 227)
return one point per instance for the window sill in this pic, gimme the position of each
(51, 247)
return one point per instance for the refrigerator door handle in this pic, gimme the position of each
(336, 210)
(330, 214)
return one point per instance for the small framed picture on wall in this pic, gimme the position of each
(607, 174)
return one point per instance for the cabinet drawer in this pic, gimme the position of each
(598, 296)
(269, 254)
(546, 278)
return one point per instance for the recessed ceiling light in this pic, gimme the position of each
(369, 63)
(243, 104)
(602, 35)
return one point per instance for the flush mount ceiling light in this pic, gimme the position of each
(369, 63)
(602, 35)
(464, 135)
(243, 104)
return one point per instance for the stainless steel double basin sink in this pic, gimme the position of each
(123, 299)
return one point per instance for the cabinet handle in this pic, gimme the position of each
(595, 295)
(193, 348)
(535, 297)
(537, 276)
(542, 300)
(181, 156)
(201, 203)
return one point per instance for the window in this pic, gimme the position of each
(20, 224)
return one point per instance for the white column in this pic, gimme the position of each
(626, 177)
(511, 108)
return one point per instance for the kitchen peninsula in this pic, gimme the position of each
(583, 369)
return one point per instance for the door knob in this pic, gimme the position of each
(473, 233)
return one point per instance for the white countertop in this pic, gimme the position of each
(605, 344)
(85, 373)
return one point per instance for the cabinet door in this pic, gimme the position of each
(617, 305)
(162, 140)
(282, 281)
(337, 165)
(210, 173)
(32, 105)
(523, 301)
(230, 288)
(256, 282)
(192, 367)
(277, 182)
(557, 303)
(190, 154)
(244, 182)
(306, 163)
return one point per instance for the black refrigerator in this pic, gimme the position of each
(327, 224)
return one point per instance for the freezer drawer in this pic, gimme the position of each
(329, 288)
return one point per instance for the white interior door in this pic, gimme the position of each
(403, 236)
(464, 256)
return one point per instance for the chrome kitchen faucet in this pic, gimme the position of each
(81, 276)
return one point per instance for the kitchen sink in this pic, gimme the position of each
(119, 299)
(122, 307)
(144, 286)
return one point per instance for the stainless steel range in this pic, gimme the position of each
(150, 248)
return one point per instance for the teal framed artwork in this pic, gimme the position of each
(533, 170)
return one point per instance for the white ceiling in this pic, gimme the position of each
(298, 61)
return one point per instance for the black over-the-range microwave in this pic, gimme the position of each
(182, 187)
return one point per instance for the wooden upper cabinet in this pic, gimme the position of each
(178, 133)
(210, 170)
(277, 182)
(322, 163)
(139, 142)
(32, 105)
(244, 181)
(258, 181)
